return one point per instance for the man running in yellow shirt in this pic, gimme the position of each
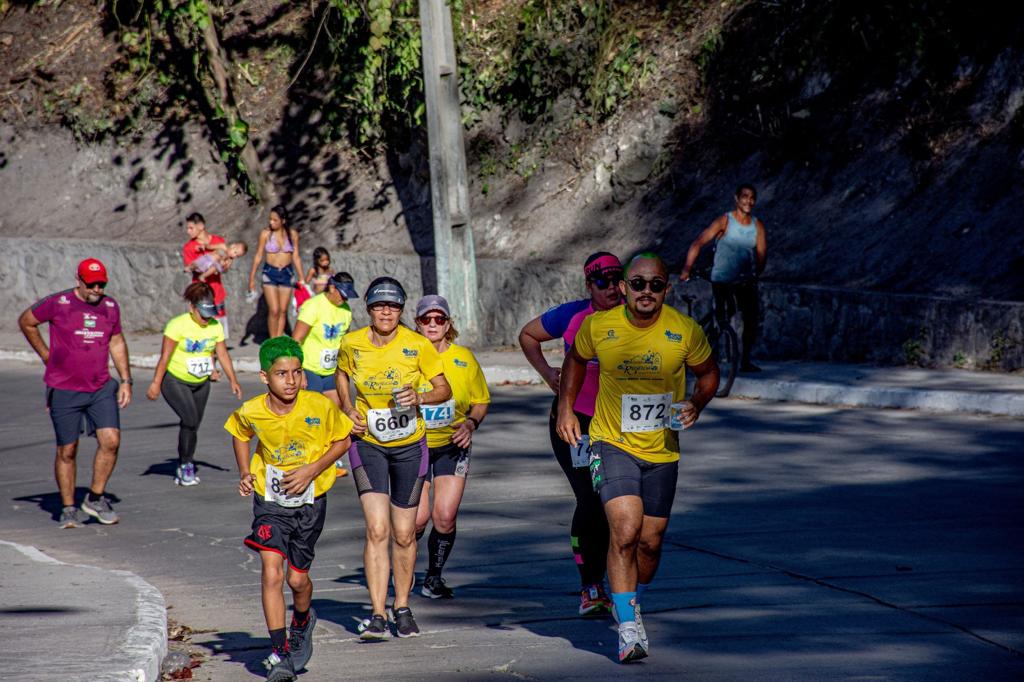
(300, 436)
(643, 350)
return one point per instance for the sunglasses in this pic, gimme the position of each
(639, 284)
(94, 285)
(436, 319)
(380, 306)
(605, 282)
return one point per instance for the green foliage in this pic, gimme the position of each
(543, 50)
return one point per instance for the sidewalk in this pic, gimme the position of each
(95, 614)
(938, 390)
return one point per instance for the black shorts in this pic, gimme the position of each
(76, 412)
(616, 473)
(291, 532)
(398, 472)
(448, 460)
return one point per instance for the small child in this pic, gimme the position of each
(300, 435)
(217, 260)
(321, 271)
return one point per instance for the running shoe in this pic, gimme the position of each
(185, 474)
(300, 641)
(100, 510)
(641, 631)
(70, 517)
(434, 588)
(594, 601)
(279, 667)
(630, 648)
(340, 471)
(375, 628)
(405, 624)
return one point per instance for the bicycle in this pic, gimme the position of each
(725, 344)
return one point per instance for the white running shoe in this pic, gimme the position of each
(630, 648)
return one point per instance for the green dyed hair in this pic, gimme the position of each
(644, 255)
(279, 347)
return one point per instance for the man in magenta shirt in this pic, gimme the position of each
(85, 327)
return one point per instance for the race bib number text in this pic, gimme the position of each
(199, 367)
(438, 416)
(645, 412)
(329, 358)
(275, 490)
(389, 424)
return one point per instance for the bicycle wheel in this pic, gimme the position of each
(726, 348)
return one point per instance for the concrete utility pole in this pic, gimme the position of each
(449, 186)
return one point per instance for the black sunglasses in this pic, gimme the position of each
(605, 282)
(101, 285)
(392, 306)
(656, 286)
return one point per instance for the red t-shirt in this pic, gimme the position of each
(80, 335)
(192, 250)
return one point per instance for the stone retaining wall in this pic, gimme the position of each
(799, 322)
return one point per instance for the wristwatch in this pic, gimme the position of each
(476, 422)
(127, 381)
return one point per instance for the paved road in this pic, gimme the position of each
(807, 542)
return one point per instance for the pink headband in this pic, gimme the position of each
(605, 262)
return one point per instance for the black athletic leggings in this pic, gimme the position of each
(743, 295)
(188, 402)
(589, 528)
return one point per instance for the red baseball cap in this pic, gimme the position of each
(92, 271)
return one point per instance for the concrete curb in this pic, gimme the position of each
(880, 396)
(146, 642)
(813, 393)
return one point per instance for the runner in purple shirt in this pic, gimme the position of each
(85, 327)
(589, 530)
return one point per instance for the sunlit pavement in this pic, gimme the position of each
(806, 542)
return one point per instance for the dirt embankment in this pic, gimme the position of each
(886, 139)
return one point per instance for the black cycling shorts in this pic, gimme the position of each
(398, 472)
(291, 532)
(616, 473)
(448, 460)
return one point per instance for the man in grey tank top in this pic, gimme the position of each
(741, 251)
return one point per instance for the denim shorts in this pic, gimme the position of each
(278, 277)
(319, 382)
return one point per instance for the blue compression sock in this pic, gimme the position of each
(640, 589)
(624, 602)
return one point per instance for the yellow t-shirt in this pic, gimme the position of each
(192, 357)
(469, 387)
(407, 359)
(288, 441)
(641, 370)
(327, 324)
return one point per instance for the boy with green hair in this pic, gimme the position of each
(301, 435)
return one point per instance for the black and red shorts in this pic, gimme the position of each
(291, 532)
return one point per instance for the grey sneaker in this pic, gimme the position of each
(70, 517)
(300, 641)
(405, 624)
(375, 627)
(641, 631)
(435, 588)
(279, 668)
(629, 643)
(100, 509)
(185, 474)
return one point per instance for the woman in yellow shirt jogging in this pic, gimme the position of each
(450, 427)
(182, 375)
(387, 361)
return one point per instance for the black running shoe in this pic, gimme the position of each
(376, 628)
(300, 641)
(435, 588)
(280, 667)
(405, 624)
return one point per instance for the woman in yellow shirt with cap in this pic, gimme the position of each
(450, 427)
(182, 375)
